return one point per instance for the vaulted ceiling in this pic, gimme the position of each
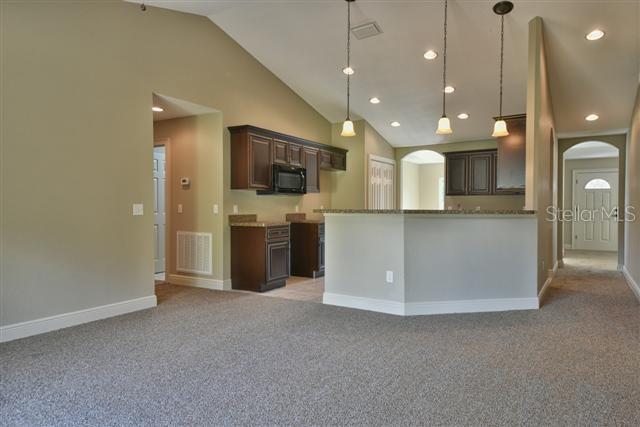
(303, 43)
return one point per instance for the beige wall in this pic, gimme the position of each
(69, 241)
(463, 202)
(567, 193)
(348, 188)
(541, 179)
(410, 185)
(430, 175)
(632, 260)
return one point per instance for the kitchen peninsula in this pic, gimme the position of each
(412, 262)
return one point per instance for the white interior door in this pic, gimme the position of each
(595, 201)
(159, 213)
(381, 193)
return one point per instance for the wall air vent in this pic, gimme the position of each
(364, 31)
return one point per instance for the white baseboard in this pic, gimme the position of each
(550, 275)
(632, 283)
(65, 320)
(199, 282)
(430, 307)
(362, 303)
(568, 246)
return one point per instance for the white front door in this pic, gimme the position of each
(159, 214)
(381, 194)
(595, 204)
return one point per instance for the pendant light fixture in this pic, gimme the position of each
(347, 126)
(444, 126)
(501, 8)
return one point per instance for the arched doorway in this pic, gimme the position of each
(591, 200)
(422, 180)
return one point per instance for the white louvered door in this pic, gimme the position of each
(381, 192)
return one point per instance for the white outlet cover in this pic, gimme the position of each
(138, 209)
(389, 276)
(235, 209)
(215, 208)
(179, 207)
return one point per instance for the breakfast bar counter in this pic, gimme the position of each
(411, 262)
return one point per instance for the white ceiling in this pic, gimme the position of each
(303, 43)
(424, 157)
(591, 150)
(175, 108)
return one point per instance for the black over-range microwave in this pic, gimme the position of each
(287, 180)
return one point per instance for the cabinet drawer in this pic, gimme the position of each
(274, 233)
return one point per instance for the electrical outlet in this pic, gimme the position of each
(179, 207)
(138, 209)
(389, 276)
(235, 209)
(297, 208)
(215, 208)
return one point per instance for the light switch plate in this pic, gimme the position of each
(138, 209)
(389, 276)
(215, 208)
(235, 209)
(179, 207)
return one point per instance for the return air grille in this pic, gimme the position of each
(364, 31)
(194, 252)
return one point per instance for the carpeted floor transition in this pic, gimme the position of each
(207, 357)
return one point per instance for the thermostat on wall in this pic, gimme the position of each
(185, 181)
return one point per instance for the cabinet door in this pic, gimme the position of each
(260, 160)
(511, 164)
(456, 174)
(277, 260)
(313, 173)
(295, 154)
(325, 159)
(321, 247)
(480, 173)
(280, 154)
(339, 161)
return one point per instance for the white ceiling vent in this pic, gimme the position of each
(369, 29)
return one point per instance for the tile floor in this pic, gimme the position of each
(300, 289)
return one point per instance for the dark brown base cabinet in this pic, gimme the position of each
(260, 257)
(307, 249)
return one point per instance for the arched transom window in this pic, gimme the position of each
(597, 184)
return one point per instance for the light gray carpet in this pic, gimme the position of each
(207, 357)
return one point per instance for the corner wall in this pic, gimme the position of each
(632, 259)
(541, 151)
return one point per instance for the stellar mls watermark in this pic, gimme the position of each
(579, 214)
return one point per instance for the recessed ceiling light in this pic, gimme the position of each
(430, 54)
(596, 34)
(157, 109)
(395, 124)
(374, 100)
(592, 117)
(449, 89)
(463, 116)
(348, 71)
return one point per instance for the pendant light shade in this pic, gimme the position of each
(444, 125)
(501, 8)
(500, 129)
(347, 126)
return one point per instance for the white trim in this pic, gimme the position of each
(430, 307)
(381, 159)
(568, 246)
(65, 320)
(610, 132)
(550, 275)
(199, 282)
(632, 283)
(362, 303)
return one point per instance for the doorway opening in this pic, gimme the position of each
(159, 210)
(591, 194)
(422, 180)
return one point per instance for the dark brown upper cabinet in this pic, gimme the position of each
(311, 164)
(456, 174)
(254, 151)
(480, 168)
(511, 157)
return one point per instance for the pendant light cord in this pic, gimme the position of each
(444, 68)
(501, 59)
(348, 57)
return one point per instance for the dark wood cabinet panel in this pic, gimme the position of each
(511, 157)
(260, 257)
(480, 168)
(280, 152)
(456, 174)
(311, 164)
(295, 155)
(254, 151)
(325, 160)
(307, 249)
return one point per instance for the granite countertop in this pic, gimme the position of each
(428, 211)
(259, 224)
(308, 221)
